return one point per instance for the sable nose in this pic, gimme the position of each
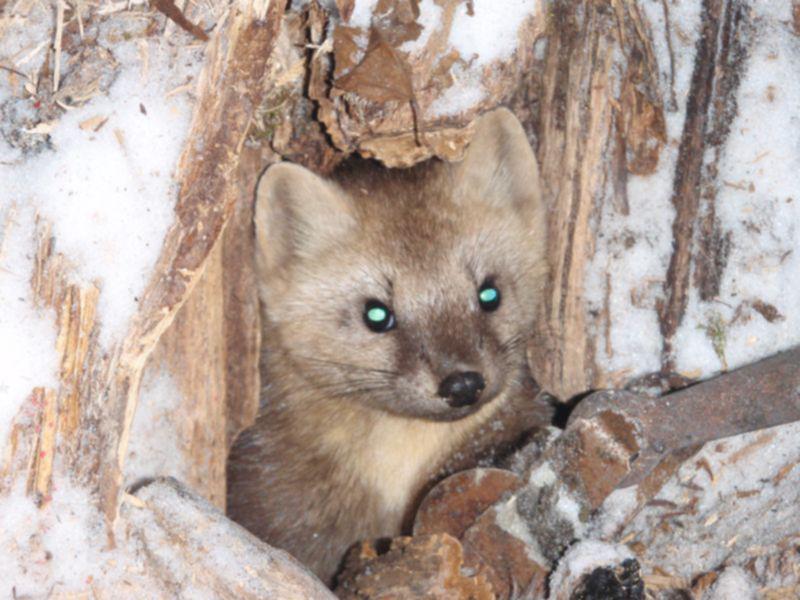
(462, 388)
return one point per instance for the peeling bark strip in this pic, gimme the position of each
(715, 244)
(712, 56)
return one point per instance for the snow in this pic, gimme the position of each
(109, 193)
(764, 220)
(734, 495)
(509, 520)
(154, 450)
(362, 14)
(430, 18)
(465, 92)
(635, 249)
(632, 254)
(60, 546)
(581, 559)
(487, 36)
(614, 511)
(28, 355)
(733, 584)
(570, 510)
(542, 476)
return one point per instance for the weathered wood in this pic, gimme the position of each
(207, 553)
(222, 118)
(588, 136)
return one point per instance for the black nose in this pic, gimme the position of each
(462, 388)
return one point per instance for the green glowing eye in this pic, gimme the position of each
(489, 296)
(378, 317)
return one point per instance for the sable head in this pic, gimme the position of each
(412, 291)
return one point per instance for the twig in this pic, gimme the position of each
(57, 43)
(12, 70)
(78, 4)
(170, 24)
(168, 8)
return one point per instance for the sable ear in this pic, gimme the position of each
(297, 215)
(499, 167)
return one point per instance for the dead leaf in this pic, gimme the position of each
(768, 311)
(345, 9)
(346, 49)
(398, 20)
(382, 76)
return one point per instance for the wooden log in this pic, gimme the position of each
(206, 552)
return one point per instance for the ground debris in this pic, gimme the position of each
(426, 566)
(630, 501)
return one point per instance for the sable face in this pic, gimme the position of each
(412, 291)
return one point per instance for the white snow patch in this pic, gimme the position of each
(733, 584)
(362, 13)
(581, 559)
(509, 520)
(631, 257)
(615, 510)
(110, 194)
(28, 357)
(465, 92)
(487, 36)
(740, 498)
(757, 204)
(542, 476)
(57, 548)
(568, 507)
(490, 33)
(154, 449)
(430, 18)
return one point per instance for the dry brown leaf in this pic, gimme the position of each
(345, 9)
(398, 20)
(346, 49)
(382, 76)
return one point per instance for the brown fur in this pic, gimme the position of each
(352, 427)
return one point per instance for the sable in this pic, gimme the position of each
(396, 312)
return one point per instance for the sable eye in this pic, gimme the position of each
(378, 317)
(489, 296)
